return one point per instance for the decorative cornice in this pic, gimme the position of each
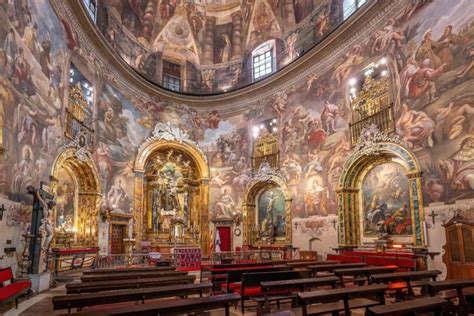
(319, 60)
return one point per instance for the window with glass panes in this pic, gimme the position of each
(350, 6)
(171, 76)
(263, 63)
(91, 7)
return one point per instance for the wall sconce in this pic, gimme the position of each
(2, 210)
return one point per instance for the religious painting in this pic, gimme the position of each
(65, 201)
(386, 201)
(271, 213)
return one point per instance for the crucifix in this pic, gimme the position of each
(433, 215)
(334, 222)
(2, 210)
(296, 225)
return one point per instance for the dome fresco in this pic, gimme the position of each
(209, 47)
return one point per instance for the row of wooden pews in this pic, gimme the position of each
(312, 288)
(140, 284)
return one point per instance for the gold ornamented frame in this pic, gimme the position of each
(164, 138)
(265, 178)
(86, 221)
(373, 149)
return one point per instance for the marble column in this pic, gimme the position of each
(208, 47)
(289, 12)
(236, 36)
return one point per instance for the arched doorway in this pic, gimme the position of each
(380, 186)
(267, 209)
(171, 191)
(76, 186)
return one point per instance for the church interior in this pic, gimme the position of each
(237, 157)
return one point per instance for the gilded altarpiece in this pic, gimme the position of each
(78, 225)
(392, 208)
(171, 191)
(267, 209)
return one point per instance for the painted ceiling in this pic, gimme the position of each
(212, 40)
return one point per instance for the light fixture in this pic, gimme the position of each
(383, 61)
(262, 126)
(384, 73)
(352, 81)
(275, 129)
(274, 120)
(353, 90)
(255, 129)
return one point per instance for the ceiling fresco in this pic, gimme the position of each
(211, 42)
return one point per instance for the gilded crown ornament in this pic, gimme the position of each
(370, 139)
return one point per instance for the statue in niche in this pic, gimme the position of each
(171, 188)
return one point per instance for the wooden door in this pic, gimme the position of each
(117, 236)
(225, 235)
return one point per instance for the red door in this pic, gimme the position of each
(224, 233)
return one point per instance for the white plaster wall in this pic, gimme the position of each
(11, 230)
(316, 227)
(436, 233)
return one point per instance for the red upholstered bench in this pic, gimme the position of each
(11, 289)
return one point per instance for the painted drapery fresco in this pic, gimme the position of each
(429, 49)
(386, 201)
(271, 213)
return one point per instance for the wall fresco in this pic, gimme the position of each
(429, 49)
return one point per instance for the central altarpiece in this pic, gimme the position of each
(172, 198)
(171, 191)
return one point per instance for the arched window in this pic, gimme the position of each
(350, 6)
(263, 60)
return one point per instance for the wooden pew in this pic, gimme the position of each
(347, 299)
(250, 285)
(427, 304)
(406, 279)
(126, 270)
(80, 301)
(72, 288)
(131, 276)
(298, 265)
(452, 289)
(366, 272)
(331, 267)
(173, 307)
(234, 277)
(289, 285)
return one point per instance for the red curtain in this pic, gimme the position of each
(224, 233)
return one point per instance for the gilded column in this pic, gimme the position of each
(204, 220)
(138, 218)
(208, 47)
(289, 12)
(236, 35)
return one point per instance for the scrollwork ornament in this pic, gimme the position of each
(170, 132)
(266, 173)
(370, 139)
(80, 144)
